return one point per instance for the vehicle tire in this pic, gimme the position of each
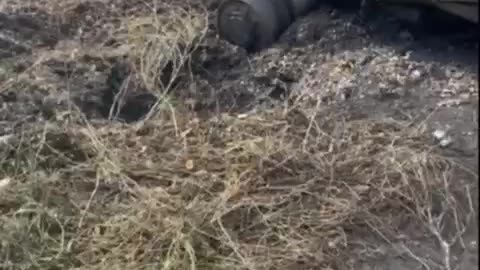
(252, 24)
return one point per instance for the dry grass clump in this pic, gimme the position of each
(160, 43)
(275, 190)
(159, 47)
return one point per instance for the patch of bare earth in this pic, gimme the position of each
(132, 138)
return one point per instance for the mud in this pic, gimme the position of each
(372, 67)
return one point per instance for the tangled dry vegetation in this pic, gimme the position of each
(285, 188)
(276, 190)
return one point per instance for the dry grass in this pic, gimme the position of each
(281, 189)
(250, 192)
(160, 45)
(159, 40)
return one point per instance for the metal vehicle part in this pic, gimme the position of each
(256, 24)
(467, 9)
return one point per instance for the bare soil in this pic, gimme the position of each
(61, 56)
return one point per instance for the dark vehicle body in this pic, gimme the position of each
(256, 24)
(466, 9)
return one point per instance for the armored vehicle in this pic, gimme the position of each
(256, 24)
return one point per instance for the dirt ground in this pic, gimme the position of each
(57, 56)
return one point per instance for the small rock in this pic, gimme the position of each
(4, 183)
(189, 165)
(5, 139)
(442, 137)
(416, 75)
(446, 142)
(439, 134)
